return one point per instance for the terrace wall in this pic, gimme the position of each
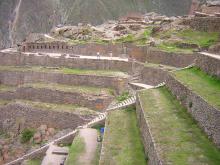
(153, 76)
(139, 53)
(171, 59)
(20, 59)
(30, 117)
(22, 77)
(208, 64)
(96, 102)
(150, 147)
(209, 24)
(205, 114)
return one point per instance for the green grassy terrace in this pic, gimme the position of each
(176, 134)
(188, 36)
(5, 88)
(76, 149)
(206, 86)
(64, 70)
(122, 142)
(160, 66)
(72, 108)
(71, 88)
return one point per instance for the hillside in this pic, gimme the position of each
(20, 17)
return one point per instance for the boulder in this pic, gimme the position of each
(37, 138)
(51, 131)
(200, 14)
(119, 28)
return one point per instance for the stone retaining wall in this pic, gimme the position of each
(96, 102)
(22, 77)
(90, 49)
(150, 147)
(210, 24)
(209, 65)
(20, 59)
(205, 114)
(171, 59)
(33, 117)
(139, 53)
(153, 76)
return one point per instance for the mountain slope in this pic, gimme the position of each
(18, 18)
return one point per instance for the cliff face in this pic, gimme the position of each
(21, 17)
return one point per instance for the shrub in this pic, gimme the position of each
(26, 135)
(123, 96)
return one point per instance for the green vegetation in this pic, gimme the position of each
(172, 48)
(203, 39)
(68, 88)
(64, 70)
(76, 149)
(26, 135)
(179, 138)
(122, 142)
(165, 67)
(139, 39)
(188, 36)
(124, 96)
(5, 88)
(201, 83)
(4, 102)
(72, 108)
(33, 162)
(95, 161)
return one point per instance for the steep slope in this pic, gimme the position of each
(20, 17)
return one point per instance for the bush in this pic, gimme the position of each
(26, 135)
(123, 96)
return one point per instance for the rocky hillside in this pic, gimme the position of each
(20, 17)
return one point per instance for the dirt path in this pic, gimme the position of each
(90, 138)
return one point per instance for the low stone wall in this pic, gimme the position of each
(205, 114)
(172, 59)
(210, 24)
(30, 117)
(22, 77)
(20, 59)
(209, 65)
(96, 102)
(153, 76)
(150, 147)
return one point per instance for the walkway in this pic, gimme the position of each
(144, 86)
(211, 55)
(55, 155)
(90, 138)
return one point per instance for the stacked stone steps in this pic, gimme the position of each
(169, 132)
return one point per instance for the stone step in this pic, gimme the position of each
(169, 132)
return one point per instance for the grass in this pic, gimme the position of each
(76, 149)
(122, 142)
(172, 48)
(33, 162)
(72, 108)
(202, 39)
(206, 86)
(65, 70)
(177, 135)
(70, 88)
(124, 96)
(4, 102)
(166, 67)
(5, 88)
